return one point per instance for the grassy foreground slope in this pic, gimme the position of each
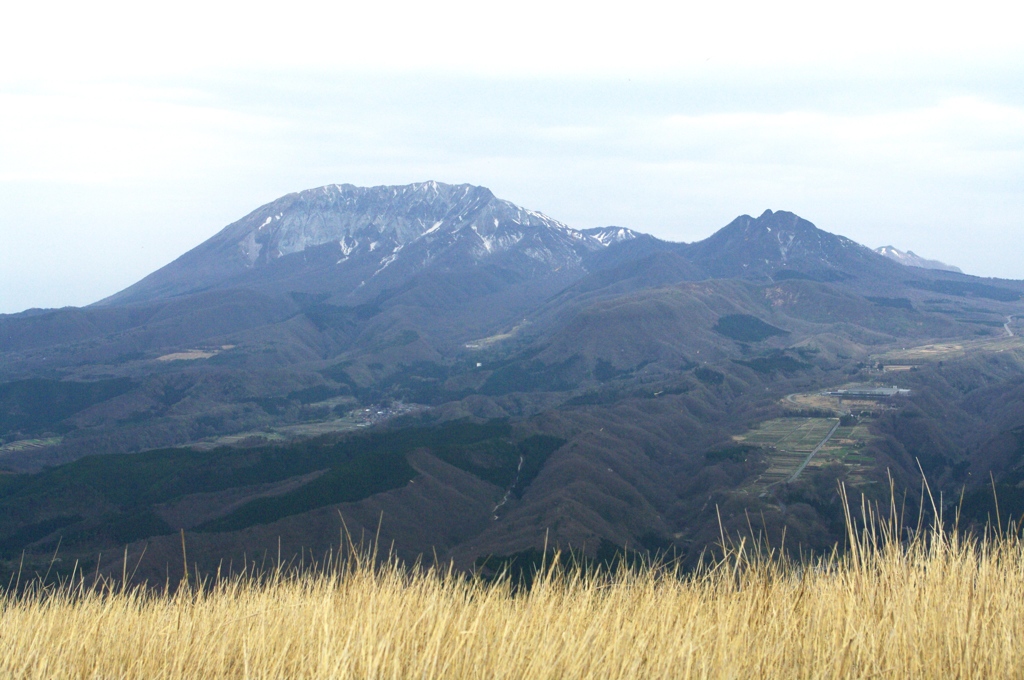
(934, 605)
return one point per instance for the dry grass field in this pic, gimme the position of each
(899, 604)
(949, 350)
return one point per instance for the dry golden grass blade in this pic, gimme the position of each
(939, 605)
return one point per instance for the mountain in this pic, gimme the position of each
(474, 377)
(354, 242)
(910, 259)
(779, 245)
(610, 235)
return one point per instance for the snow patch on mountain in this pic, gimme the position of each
(609, 235)
(388, 260)
(911, 259)
(387, 232)
(393, 216)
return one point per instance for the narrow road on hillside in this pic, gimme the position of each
(508, 492)
(1006, 325)
(811, 454)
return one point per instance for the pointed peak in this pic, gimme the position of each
(777, 240)
(769, 222)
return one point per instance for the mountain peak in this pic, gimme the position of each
(344, 212)
(774, 241)
(350, 235)
(609, 235)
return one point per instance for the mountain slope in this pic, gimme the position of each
(911, 259)
(610, 235)
(354, 242)
(781, 244)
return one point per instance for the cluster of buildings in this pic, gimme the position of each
(868, 393)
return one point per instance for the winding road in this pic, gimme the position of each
(510, 489)
(1006, 325)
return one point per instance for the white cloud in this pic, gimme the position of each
(92, 133)
(954, 137)
(530, 37)
(142, 129)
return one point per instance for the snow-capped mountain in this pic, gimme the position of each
(911, 259)
(610, 235)
(439, 243)
(348, 239)
(387, 219)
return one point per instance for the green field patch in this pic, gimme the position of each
(789, 441)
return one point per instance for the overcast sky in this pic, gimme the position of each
(129, 134)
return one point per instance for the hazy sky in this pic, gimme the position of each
(129, 133)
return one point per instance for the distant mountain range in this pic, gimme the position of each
(486, 376)
(911, 259)
(354, 243)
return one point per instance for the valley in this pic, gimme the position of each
(795, 444)
(791, 443)
(352, 420)
(464, 378)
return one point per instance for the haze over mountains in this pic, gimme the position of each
(485, 375)
(356, 242)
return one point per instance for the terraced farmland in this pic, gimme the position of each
(848, 446)
(789, 441)
(26, 444)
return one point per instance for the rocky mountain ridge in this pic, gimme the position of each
(354, 244)
(355, 236)
(912, 259)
